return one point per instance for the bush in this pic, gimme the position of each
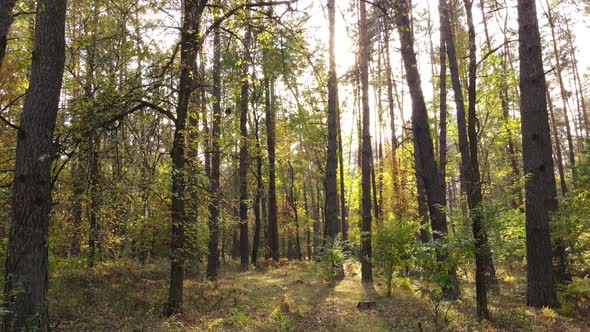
(394, 246)
(333, 258)
(575, 298)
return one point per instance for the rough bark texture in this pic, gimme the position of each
(557, 147)
(258, 196)
(423, 148)
(484, 269)
(332, 161)
(26, 261)
(213, 244)
(442, 136)
(189, 44)
(273, 227)
(562, 91)
(243, 165)
(537, 158)
(6, 7)
(366, 249)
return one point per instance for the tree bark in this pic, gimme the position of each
(562, 91)
(538, 163)
(366, 248)
(26, 261)
(558, 154)
(423, 148)
(332, 161)
(485, 274)
(258, 195)
(243, 164)
(213, 244)
(273, 231)
(6, 19)
(189, 45)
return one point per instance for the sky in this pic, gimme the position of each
(345, 47)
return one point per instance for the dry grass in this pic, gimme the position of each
(127, 296)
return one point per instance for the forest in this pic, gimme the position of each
(294, 165)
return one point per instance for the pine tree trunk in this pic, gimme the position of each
(273, 231)
(243, 164)
(258, 196)
(423, 148)
(559, 74)
(6, 19)
(366, 248)
(26, 260)
(537, 158)
(332, 161)
(213, 244)
(558, 154)
(485, 274)
(189, 44)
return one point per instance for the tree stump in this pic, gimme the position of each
(366, 304)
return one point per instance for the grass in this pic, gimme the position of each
(127, 296)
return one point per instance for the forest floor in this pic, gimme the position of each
(128, 296)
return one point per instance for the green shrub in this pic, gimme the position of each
(574, 298)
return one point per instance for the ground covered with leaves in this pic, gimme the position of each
(292, 296)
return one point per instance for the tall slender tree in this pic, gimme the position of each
(366, 159)
(423, 148)
(213, 244)
(189, 44)
(332, 161)
(540, 186)
(6, 19)
(243, 164)
(27, 256)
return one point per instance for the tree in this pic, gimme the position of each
(366, 248)
(273, 227)
(189, 45)
(423, 148)
(243, 164)
(213, 244)
(332, 161)
(6, 19)
(26, 276)
(540, 188)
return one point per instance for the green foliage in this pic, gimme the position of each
(575, 298)
(333, 258)
(571, 223)
(437, 257)
(394, 243)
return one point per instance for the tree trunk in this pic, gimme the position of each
(343, 208)
(189, 44)
(94, 194)
(538, 162)
(485, 274)
(366, 248)
(332, 161)
(442, 138)
(26, 261)
(213, 244)
(391, 107)
(243, 165)
(558, 154)
(307, 218)
(273, 227)
(423, 147)
(6, 19)
(563, 92)
(292, 200)
(258, 196)
(577, 80)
